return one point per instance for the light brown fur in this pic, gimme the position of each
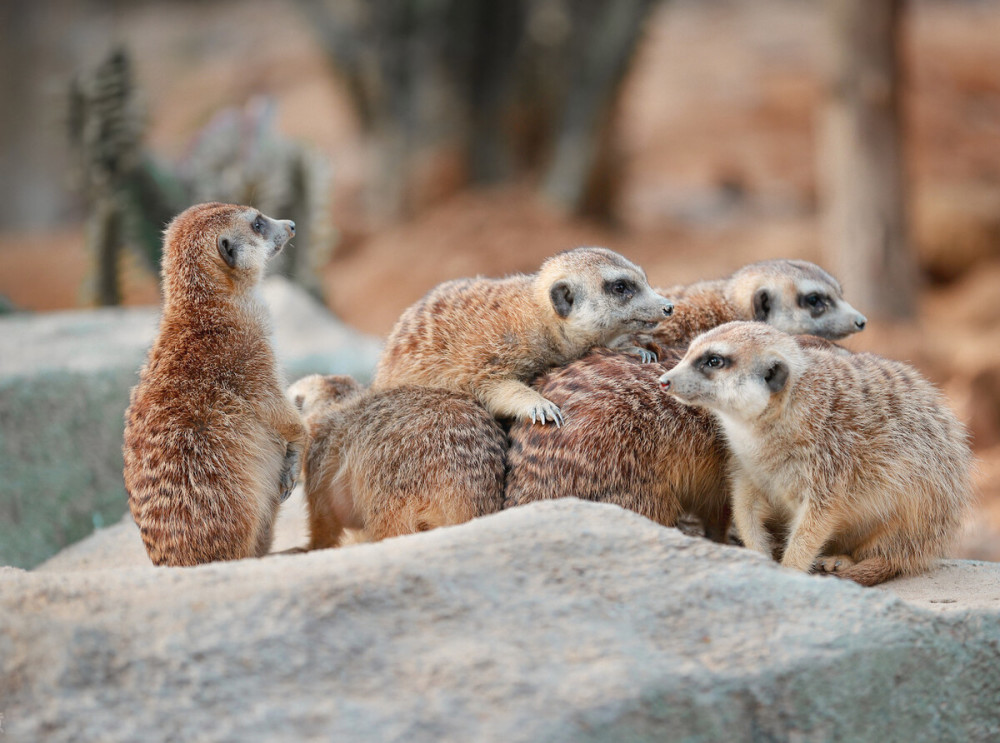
(395, 461)
(489, 337)
(857, 457)
(625, 443)
(211, 443)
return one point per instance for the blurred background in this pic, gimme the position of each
(415, 141)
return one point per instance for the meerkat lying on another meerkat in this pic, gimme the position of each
(395, 461)
(627, 444)
(857, 456)
(489, 337)
(795, 296)
(211, 444)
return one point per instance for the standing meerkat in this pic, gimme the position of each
(489, 337)
(858, 457)
(212, 445)
(396, 461)
(798, 297)
(625, 443)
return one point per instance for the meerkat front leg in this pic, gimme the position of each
(293, 431)
(508, 398)
(750, 512)
(811, 529)
(290, 469)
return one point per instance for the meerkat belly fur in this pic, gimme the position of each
(856, 457)
(489, 337)
(624, 443)
(211, 444)
(396, 461)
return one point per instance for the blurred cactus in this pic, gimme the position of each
(238, 158)
(105, 126)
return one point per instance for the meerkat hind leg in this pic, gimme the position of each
(868, 572)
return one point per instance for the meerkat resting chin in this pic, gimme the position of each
(795, 296)
(212, 445)
(490, 337)
(395, 461)
(627, 444)
(858, 457)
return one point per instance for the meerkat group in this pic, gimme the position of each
(724, 399)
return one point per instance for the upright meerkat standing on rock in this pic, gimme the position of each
(624, 442)
(395, 462)
(212, 445)
(858, 457)
(489, 337)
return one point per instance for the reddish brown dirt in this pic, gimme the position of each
(717, 136)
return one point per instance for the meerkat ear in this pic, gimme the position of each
(561, 295)
(776, 376)
(228, 249)
(761, 305)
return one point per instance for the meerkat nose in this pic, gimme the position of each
(668, 309)
(291, 226)
(664, 384)
(860, 322)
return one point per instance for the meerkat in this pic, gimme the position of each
(796, 296)
(395, 461)
(624, 443)
(489, 337)
(212, 445)
(858, 458)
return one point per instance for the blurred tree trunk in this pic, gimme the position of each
(861, 158)
(481, 91)
(581, 176)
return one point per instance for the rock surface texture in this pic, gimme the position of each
(559, 621)
(64, 385)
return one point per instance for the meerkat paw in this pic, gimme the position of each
(645, 355)
(832, 564)
(543, 412)
(289, 473)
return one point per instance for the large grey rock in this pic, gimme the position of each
(559, 621)
(64, 384)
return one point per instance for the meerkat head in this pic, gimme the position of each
(797, 297)
(318, 393)
(739, 370)
(598, 295)
(223, 245)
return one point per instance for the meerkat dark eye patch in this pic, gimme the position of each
(260, 225)
(761, 305)
(561, 295)
(228, 249)
(776, 376)
(815, 302)
(623, 289)
(712, 362)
